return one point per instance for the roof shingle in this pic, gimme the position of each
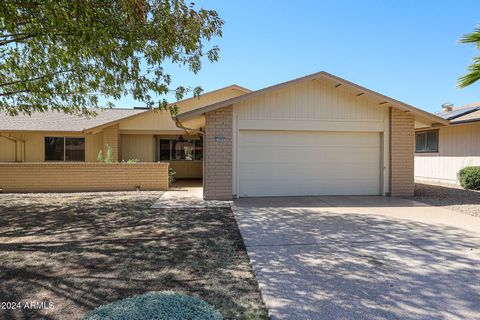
(58, 121)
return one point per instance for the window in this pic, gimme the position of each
(64, 149)
(164, 150)
(180, 150)
(426, 141)
(198, 150)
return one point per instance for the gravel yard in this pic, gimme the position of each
(449, 197)
(81, 250)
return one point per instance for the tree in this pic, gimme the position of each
(65, 55)
(474, 69)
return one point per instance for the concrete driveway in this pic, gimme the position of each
(362, 258)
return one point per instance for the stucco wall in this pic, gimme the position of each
(402, 148)
(217, 183)
(82, 176)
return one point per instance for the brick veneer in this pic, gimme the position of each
(111, 136)
(82, 176)
(402, 150)
(217, 176)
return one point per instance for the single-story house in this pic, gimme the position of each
(440, 153)
(316, 135)
(56, 142)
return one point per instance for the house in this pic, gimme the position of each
(440, 153)
(62, 145)
(316, 135)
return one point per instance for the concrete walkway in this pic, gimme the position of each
(362, 258)
(187, 197)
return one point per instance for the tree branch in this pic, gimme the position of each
(10, 93)
(33, 79)
(2, 43)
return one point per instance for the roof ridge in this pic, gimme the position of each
(401, 105)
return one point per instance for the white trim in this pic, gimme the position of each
(386, 154)
(234, 152)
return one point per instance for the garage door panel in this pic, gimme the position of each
(299, 138)
(308, 156)
(290, 170)
(308, 163)
(267, 187)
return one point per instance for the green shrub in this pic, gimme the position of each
(156, 305)
(133, 160)
(109, 157)
(109, 153)
(100, 156)
(171, 174)
(470, 178)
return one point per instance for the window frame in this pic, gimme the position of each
(194, 154)
(425, 132)
(65, 148)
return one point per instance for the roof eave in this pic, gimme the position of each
(465, 121)
(113, 122)
(401, 105)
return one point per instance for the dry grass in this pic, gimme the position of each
(83, 250)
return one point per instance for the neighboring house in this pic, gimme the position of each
(442, 152)
(316, 135)
(145, 135)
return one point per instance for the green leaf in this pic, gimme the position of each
(63, 55)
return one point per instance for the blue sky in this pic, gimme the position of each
(408, 50)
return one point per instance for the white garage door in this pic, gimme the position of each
(282, 163)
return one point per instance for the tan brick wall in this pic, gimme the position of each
(82, 176)
(111, 136)
(217, 175)
(402, 151)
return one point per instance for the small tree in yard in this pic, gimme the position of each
(65, 55)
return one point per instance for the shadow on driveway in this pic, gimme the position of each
(346, 260)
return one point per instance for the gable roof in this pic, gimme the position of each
(61, 122)
(322, 74)
(467, 113)
(233, 86)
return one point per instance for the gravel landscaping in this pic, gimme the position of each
(75, 252)
(450, 197)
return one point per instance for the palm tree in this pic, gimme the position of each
(474, 69)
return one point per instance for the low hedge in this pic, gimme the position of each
(470, 178)
(164, 305)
